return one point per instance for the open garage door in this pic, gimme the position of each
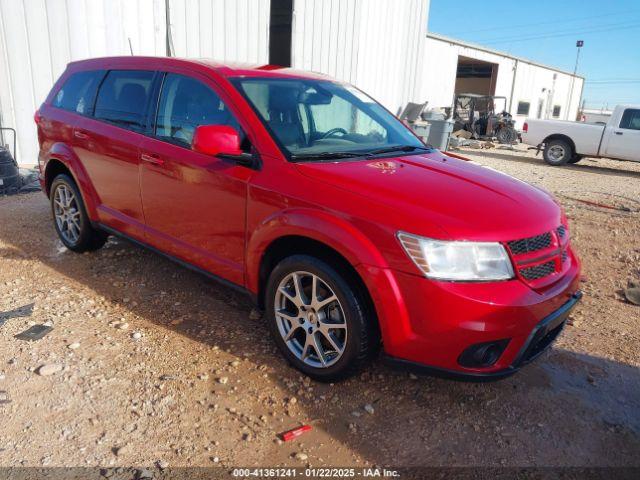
(476, 76)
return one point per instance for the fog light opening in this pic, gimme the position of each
(482, 355)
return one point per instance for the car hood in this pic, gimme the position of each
(464, 199)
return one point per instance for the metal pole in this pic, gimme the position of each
(579, 44)
(513, 85)
(169, 42)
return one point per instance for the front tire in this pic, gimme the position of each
(70, 217)
(507, 136)
(558, 152)
(319, 319)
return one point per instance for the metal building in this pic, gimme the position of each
(381, 46)
(375, 44)
(531, 89)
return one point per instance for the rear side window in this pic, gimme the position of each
(78, 92)
(123, 98)
(630, 119)
(186, 103)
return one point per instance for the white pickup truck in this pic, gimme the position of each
(567, 142)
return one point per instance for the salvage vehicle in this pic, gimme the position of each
(568, 142)
(350, 233)
(482, 116)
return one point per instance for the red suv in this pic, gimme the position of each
(343, 226)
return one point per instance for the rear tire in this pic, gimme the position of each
(558, 152)
(329, 341)
(70, 217)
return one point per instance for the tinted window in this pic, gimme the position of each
(523, 108)
(186, 103)
(78, 92)
(630, 119)
(123, 97)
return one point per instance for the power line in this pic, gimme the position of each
(603, 28)
(537, 24)
(612, 79)
(618, 82)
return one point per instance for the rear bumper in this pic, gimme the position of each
(539, 340)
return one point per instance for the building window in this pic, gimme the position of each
(556, 111)
(523, 108)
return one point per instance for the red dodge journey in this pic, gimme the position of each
(351, 233)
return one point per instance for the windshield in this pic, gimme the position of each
(316, 119)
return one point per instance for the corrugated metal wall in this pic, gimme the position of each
(533, 83)
(227, 30)
(377, 45)
(39, 37)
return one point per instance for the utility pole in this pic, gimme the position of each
(579, 45)
(168, 39)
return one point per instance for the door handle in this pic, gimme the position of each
(80, 134)
(151, 158)
(618, 133)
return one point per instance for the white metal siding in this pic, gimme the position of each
(377, 45)
(39, 37)
(532, 82)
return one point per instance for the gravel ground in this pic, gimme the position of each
(150, 364)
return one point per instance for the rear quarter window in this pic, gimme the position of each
(78, 92)
(123, 98)
(630, 119)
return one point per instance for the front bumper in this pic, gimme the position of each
(431, 323)
(540, 339)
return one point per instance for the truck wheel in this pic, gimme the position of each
(576, 159)
(318, 319)
(557, 152)
(70, 217)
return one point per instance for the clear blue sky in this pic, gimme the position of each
(546, 31)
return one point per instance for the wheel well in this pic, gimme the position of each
(296, 245)
(558, 136)
(54, 168)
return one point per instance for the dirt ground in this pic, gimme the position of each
(160, 366)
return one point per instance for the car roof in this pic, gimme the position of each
(223, 69)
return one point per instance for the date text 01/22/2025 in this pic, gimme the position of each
(315, 472)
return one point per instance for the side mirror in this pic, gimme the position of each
(221, 141)
(216, 139)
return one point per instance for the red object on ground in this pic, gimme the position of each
(295, 433)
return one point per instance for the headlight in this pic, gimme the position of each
(462, 261)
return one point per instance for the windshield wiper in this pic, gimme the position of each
(326, 155)
(399, 148)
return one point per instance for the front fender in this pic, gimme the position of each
(324, 227)
(65, 154)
